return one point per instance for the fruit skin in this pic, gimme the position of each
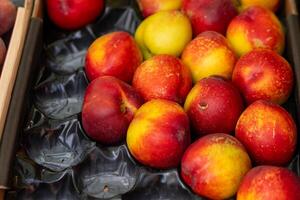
(163, 77)
(272, 5)
(159, 134)
(209, 54)
(269, 182)
(114, 54)
(263, 74)
(165, 32)
(2, 52)
(213, 15)
(74, 14)
(214, 166)
(108, 108)
(213, 106)
(7, 15)
(268, 132)
(149, 7)
(256, 27)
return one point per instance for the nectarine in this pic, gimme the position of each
(114, 54)
(268, 132)
(74, 14)
(213, 15)
(159, 134)
(165, 32)
(164, 77)
(215, 165)
(256, 27)
(209, 54)
(108, 108)
(263, 74)
(213, 106)
(269, 182)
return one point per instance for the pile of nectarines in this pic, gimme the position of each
(8, 13)
(197, 69)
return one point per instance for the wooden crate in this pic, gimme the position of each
(293, 35)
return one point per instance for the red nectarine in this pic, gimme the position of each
(114, 54)
(74, 14)
(269, 183)
(213, 15)
(268, 132)
(263, 74)
(108, 108)
(213, 106)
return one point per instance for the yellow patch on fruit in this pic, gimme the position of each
(269, 4)
(127, 104)
(232, 158)
(262, 82)
(216, 62)
(165, 5)
(139, 37)
(238, 39)
(136, 130)
(250, 195)
(156, 108)
(191, 96)
(95, 51)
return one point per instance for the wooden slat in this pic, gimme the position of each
(19, 101)
(12, 60)
(291, 7)
(38, 9)
(2, 194)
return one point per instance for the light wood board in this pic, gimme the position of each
(12, 61)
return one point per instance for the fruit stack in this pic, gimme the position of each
(199, 87)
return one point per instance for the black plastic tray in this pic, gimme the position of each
(55, 160)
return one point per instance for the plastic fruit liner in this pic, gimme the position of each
(55, 159)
